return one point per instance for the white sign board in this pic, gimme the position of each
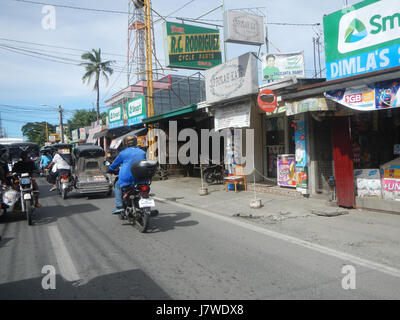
(243, 28)
(235, 116)
(281, 65)
(368, 182)
(235, 78)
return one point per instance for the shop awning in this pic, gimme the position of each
(171, 114)
(100, 134)
(117, 142)
(358, 80)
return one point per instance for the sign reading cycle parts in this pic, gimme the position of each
(191, 47)
(362, 38)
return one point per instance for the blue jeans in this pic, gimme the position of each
(118, 196)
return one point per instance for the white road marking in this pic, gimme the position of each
(316, 247)
(65, 263)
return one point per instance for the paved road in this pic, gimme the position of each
(186, 255)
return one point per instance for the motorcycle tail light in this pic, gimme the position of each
(64, 176)
(145, 189)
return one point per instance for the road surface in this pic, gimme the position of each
(185, 255)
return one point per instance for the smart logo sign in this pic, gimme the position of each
(191, 47)
(136, 110)
(115, 118)
(362, 38)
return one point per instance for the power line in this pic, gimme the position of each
(72, 7)
(59, 47)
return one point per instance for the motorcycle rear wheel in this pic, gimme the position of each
(142, 223)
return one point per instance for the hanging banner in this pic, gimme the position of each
(191, 47)
(382, 95)
(306, 105)
(362, 38)
(236, 116)
(301, 157)
(279, 65)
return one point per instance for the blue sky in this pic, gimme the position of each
(27, 82)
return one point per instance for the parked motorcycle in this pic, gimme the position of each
(136, 198)
(20, 198)
(213, 173)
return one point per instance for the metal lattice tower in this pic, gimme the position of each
(136, 53)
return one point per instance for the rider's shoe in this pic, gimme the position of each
(52, 189)
(38, 205)
(117, 211)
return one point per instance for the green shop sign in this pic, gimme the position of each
(362, 38)
(115, 117)
(136, 110)
(191, 47)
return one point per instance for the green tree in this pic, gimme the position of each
(36, 131)
(83, 118)
(95, 67)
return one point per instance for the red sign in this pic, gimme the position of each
(267, 100)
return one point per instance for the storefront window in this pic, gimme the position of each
(374, 136)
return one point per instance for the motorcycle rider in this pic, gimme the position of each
(45, 159)
(26, 165)
(125, 158)
(58, 166)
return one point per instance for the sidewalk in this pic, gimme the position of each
(370, 235)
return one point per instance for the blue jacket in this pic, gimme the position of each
(44, 161)
(126, 158)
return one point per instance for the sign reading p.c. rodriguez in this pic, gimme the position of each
(191, 47)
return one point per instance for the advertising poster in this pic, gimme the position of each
(368, 183)
(362, 38)
(381, 95)
(301, 157)
(391, 189)
(191, 47)
(286, 171)
(279, 65)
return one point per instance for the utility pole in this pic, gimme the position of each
(60, 111)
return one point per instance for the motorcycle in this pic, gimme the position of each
(213, 173)
(64, 183)
(136, 198)
(21, 197)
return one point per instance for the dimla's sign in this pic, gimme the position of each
(362, 38)
(191, 47)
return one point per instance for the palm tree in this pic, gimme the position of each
(95, 67)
